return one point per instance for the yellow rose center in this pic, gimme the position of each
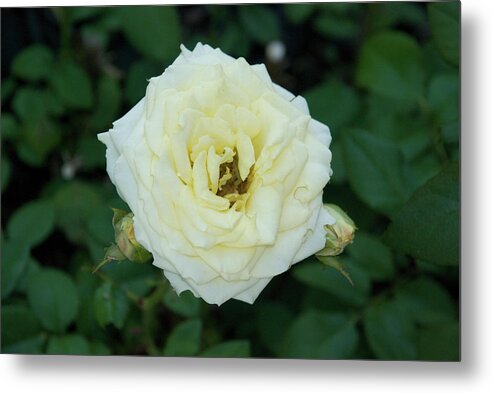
(222, 152)
(230, 183)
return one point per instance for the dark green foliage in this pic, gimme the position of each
(373, 256)
(138, 74)
(72, 85)
(68, 345)
(427, 227)
(335, 103)
(14, 261)
(383, 76)
(445, 24)
(32, 223)
(314, 274)
(390, 64)
(315, 335)
(154, 31)
(260, 22)
(110, 305)
(228, 349)
(389, 331)
(21, 330)
(440, 343)
(375, 170)
(33, 63)
(185, 339)
(184, 304)
(53, 299)
(108, 103)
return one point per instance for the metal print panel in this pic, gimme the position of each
(265, 180)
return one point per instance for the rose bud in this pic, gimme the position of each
(338, 235)
(125, 238)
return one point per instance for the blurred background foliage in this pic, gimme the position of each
(383, 76)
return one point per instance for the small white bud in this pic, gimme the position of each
(275, 51)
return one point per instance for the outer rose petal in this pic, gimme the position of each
(219, 290)
(164, 158)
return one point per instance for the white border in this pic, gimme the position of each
(473, 374)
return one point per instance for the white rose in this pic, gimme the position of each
(224, 172)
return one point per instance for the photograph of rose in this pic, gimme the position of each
(263, 180)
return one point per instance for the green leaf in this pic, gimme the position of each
(72, 344)
(427, 227)
(444, 19)
(260, 22)
(390, 333)
(234, 42)
(87, 284)
(372, 255)
(98, 348)
(92, 153)
(299, 13)
(99, 225)
(229, 349)
(426, 301)
(21, 331)
(38, 135)
(337, 164)
(32, 345)
(375, 170)
(134, 277)
(440, 343)
(424, 167)
(108, 103)
(154, 31)
(315, 335)
(29, 104)
(9, 126)
(184, 304)
(78, 14)
(317, 299)
(110, 21)
(444, 101)
(333, 26)
(137, 79)
(74, 204)
(387, 117)
(53, 298)
(333, 103)
(185, 339)
(54, 104)
(33, 63)
(434, 63)
(390, 64)
(15, 254)
(33, 222)
(329, 280)
(415, 145)
(270, 317)
(38, 140)
(387, 14)
(32, 267)
(72, 84)
(110, 305)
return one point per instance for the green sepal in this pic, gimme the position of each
(337, 265)
(113, 253)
